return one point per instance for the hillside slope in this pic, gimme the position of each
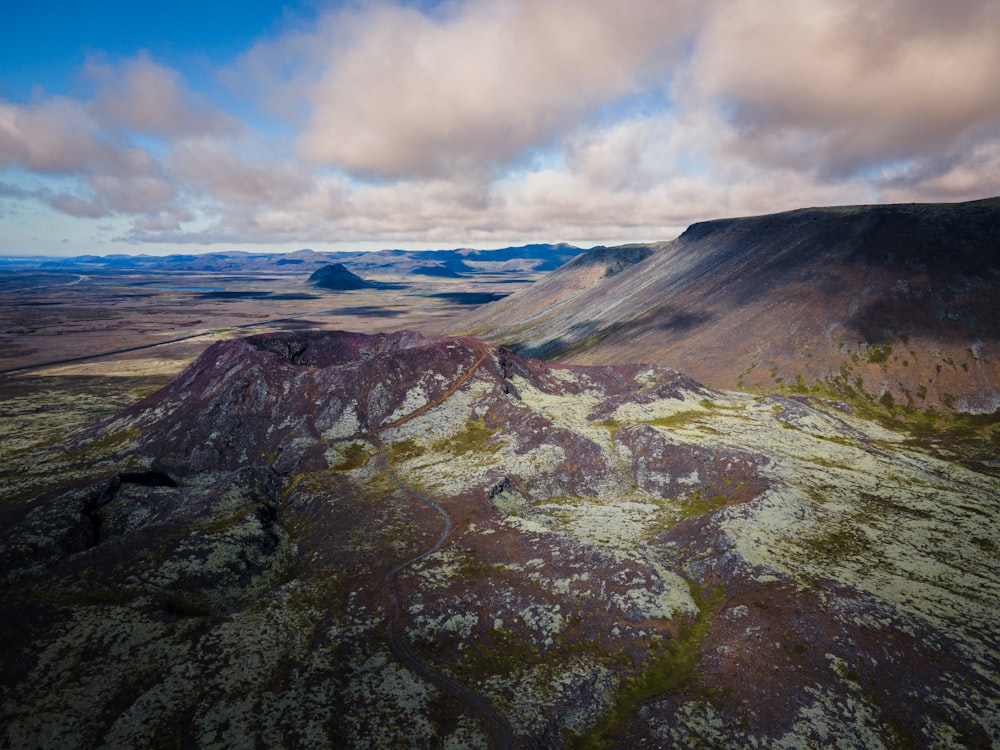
(899, 303)
(338, 540)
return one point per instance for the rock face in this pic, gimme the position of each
(336, 277)
(896, 303)
(388, 541)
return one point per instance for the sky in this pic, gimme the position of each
(211, 126)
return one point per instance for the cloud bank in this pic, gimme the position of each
(495, 121)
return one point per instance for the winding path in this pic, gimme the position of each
(500, 732)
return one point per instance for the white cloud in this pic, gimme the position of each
(141, 96)
(57, 135)
(498, 121)
(405, 94)
(225, 174)
(843, 85)
(75, 206)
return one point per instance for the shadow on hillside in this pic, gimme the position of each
(468, 298)
(587, 334)
(680, 321)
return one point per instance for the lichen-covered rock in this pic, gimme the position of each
(313, 540)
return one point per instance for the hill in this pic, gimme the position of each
(329, 539)
(896, 304)
(335, 277)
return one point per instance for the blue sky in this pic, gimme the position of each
(46, 43)
(206, 126)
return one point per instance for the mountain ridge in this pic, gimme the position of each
(895, 303)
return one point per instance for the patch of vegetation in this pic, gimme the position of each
(716, 406)
(740, 378)
(823, 461)
(473, 437)
(878, 354)
(675, 420)
(103, 445)
(353, 456)
(467, 567)
(699, 503)
(505, 653)
(671, 667)
(403, 450)
(975, 437)
(839, 544)
(612, 426)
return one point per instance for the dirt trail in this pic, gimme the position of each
(480, 705)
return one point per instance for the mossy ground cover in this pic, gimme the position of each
(676, 420)
(352, 456)
(672, 666)
(973, 438)
(698, 503)
(473, 437)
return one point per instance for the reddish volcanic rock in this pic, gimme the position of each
(318, 539)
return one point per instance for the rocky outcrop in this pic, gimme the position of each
(331, 539)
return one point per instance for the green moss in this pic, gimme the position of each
(843, 543)
(878, 353)
(611, 426)
(671, 667)
(675, 420)
(473, 437)
(699, 503)
(353, 456)
(103, 445)
(747, 371)
(972, 436)
(505, 653)
(716, 406)
(403, 450)
(823, 461)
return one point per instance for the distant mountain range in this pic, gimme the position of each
(895, 303)
(465, 261)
